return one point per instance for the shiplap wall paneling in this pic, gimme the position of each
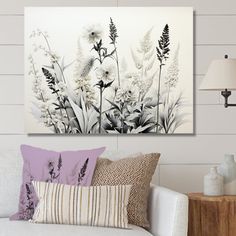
(204, 54)
(11, 59)
(184, 178)
(59, 142)
(11, 89)
(207, 29)
(11, 29)
(205, 97)
(16, 7)
(206, 7)
(176, 150)
(156, 176)
(182, 156)
(201, 6)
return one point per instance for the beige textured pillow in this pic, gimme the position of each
(77, 205)
(137, 172)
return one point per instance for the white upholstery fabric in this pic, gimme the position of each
(10, 181)
(24, 228)
(168, 212)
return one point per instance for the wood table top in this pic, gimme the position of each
(202, 197)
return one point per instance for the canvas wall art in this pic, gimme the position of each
(109, 70)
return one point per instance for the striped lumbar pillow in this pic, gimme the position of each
(94, 205)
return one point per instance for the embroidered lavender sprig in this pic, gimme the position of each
(30, 203)
(54, 172)
(59, 165)
(82, 171)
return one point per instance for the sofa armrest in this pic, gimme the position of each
(168, 212)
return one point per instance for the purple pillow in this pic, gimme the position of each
(68, 167)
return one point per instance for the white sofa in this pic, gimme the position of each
(168, 210)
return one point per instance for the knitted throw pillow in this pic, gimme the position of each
(137, 172)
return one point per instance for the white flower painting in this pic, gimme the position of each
(109, 70)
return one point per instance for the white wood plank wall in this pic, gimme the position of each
(185, 159)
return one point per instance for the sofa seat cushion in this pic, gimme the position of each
(24, 228)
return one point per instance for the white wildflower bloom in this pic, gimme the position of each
(146, 43)
(84, 84)
(38, 103)
(173, 71)
(47, 105)
(133, 76)
(136, 81)
(53, 57)
(126, 95)
(61, 86)
(106, 73)
(30, 58)
(93, 33)
(38, 95)
(37, 85)
(86, 66)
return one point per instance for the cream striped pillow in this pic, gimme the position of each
(77, 205)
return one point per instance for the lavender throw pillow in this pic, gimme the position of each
(68, 167)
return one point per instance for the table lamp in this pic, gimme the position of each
(221, 75)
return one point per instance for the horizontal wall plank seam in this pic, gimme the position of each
(11, 44)
(10, 74)
(11, 104)
(2, 14)
(215, 44)
(212, 14)
(214, 134)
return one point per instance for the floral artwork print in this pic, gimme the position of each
(93, 74)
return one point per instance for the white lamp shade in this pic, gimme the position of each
(221, 75)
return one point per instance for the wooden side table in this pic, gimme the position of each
(211, 216)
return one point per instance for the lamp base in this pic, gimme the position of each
(226, 95)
